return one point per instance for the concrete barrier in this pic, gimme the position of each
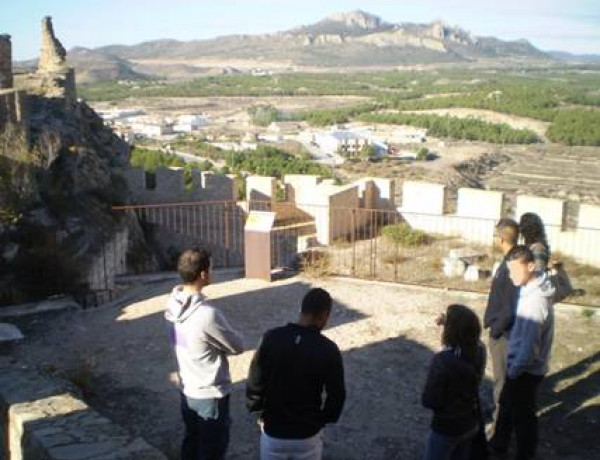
(423, 198)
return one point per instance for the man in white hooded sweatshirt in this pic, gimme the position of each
(529, 347)
(202, 339)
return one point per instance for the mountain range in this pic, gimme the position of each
(355, 39)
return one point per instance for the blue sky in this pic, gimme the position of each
(549, 24)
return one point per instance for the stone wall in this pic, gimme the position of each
(6, 78)
(13, 108)
(53, 56)
(479, 210)
(167, 185)
(43, 418)
(53, 79)
(13, 102)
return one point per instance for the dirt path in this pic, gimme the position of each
(120, 357)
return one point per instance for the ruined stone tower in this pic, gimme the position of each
(6, 77)
(52, 54)
(12, 101)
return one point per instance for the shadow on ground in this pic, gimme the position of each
(119, 356)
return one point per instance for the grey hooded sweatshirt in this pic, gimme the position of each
(202, 339)
(531, 336)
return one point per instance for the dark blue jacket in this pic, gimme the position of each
(502, 303)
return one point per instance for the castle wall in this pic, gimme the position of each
(341, 222)
(300, 188)
(168, 185)
(423, 198)
(478, 212)
(376, 192)
(260, 188)
(13, 108)
(6, 77)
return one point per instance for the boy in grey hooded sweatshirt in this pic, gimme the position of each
(529, 347)
(202, 340)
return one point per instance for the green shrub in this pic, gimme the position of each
(18, 182)
(315, 264)
(422, 154)
(576, 127)
(403, 235)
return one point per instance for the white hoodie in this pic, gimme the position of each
(202, 339)
(532, 333)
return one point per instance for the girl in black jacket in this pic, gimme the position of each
(452, 386)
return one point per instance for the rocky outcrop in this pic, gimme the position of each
(438, 30)
(358, 19)
(328, 39)
(401, 38)
(58, 183)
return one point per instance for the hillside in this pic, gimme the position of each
(355, 39)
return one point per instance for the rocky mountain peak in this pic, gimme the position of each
(357, 18)
(440, 30)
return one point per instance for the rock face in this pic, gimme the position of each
(53, 56)
(58, 183)
(357, 18)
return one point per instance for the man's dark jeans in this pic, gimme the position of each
(206, 428)
(518, 412)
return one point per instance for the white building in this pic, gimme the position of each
(258, 72)
(189, 123)
(151, 127)
(119, 114)
(348, 142)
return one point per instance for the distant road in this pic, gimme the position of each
(189, 158)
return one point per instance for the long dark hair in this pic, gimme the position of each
(462, 330)
(532, 229)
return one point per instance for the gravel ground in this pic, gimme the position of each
(119, 355)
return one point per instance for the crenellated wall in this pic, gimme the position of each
(168, 185)
(330, 205)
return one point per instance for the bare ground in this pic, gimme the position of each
(221, 106)
(119, 355)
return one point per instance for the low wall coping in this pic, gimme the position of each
(43, 418)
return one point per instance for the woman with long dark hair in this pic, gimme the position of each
(534, 235)
(452, 387)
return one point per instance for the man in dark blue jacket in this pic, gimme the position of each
(502, 301)
(296, 383)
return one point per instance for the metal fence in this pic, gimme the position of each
(386, 245)
(216, 225)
